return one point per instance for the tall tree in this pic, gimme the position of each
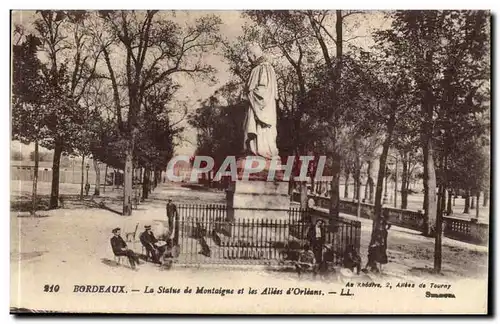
(28, 98)
(155, 143)
(334, 64)
(70, 66)
(155, 48)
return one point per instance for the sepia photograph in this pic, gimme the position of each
(250, 161)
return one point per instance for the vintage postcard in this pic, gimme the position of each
(250, 162)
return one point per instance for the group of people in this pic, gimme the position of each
(157, 248)
(316, 254)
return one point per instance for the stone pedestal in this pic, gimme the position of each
(257, 199)
(253, 204)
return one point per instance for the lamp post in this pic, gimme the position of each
(87, 185)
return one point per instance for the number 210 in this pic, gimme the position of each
(51, 288)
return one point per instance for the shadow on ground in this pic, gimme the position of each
(425, 272)
(196, 187)
(25, 256)
(111, 263)
(23, 203)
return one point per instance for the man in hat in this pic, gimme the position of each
(120, 248)
(149, 241)
(316, 237)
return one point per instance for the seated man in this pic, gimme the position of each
(352, 259)
(151, 243)
(120, 248)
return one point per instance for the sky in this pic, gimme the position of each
(191, 91)
(196, 91)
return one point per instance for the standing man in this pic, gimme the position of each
(262, 92)
(171, 214)
(120, 248)
(316, 236)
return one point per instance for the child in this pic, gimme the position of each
(306, 260)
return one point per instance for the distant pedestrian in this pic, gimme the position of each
(171, 214)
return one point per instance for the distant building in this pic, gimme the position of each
(182, 169)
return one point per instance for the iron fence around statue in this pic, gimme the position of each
(205, 235)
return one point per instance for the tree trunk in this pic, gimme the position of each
(81, 182)
(381, 171)
(467, 202)
(354, 184)
(427, 111)
(105, 178)
(472, 204)
(357, 184)
(438, 231)
(384, 201)
(424, 203)
(151, 176)
(429, 186)
(35, 183)
(127, 181)
(365, 199)
(477, 207)
(439, 216)
(54, 193)
(313, 191)
(358, 187)
(157, 177)
(303, 194)
(379, 229)
(145, 184)
(335, 194)
(486, 197)
(97, 188)
(396, 184)
(370, 190)
(346, 186)
(404, 182)
(449, 210)
(337, 75)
